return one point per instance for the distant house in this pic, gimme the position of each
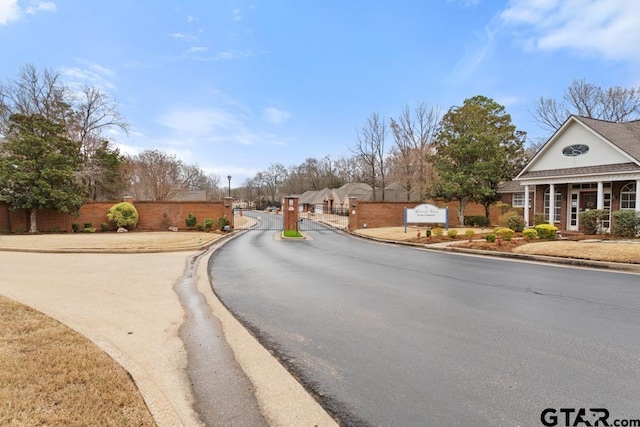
(357, 190)
(317, 201)
(587, 164)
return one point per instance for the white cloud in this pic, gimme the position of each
(233, 54)
(197, 49)
(274, 116)
(177, 35)
(191, 126)
(92, 75)
(9, 11)
(41, 6)
(594, 28)
(474, 56)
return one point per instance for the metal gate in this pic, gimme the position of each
(307, 221)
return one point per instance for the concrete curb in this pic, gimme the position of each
(450, 247)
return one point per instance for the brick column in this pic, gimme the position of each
(290, 212)
(228, 210)
(353, 213)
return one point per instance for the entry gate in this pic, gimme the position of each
(246, 219)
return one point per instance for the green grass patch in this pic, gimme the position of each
(292, 233)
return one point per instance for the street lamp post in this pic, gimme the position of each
(229, 178)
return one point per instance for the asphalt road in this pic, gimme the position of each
(388, 335)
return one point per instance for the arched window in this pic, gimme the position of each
(557, 208)
(628, 196)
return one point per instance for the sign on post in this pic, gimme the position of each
(426, 214)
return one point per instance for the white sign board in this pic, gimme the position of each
(427, 214)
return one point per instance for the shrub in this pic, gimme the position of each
(124, 215)
(453, 233)
(88, 225)
(89, 230)
(190, 221)
(504, 233)
(490, 238)
(538, 219)
(469, 234)
(476, 221)
(75, 227)
(513, 220)
(55, 229)
(199, 226)
(626, 223)
(546, 231)
(208, 223)
(222, 223)
(530, 234)
(104, 226)
(590, 220)
(437, 232)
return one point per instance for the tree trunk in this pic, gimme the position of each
(32, 217)
(461, 211)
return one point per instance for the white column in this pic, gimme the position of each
(600, 197)
(552, 203)
(526, 205)
(637, 195)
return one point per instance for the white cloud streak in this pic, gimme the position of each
(274, 116)
(605, 29)
(9, 11)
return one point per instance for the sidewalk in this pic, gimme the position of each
(126, 304)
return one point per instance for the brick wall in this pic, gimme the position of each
(391, 214)
(152, 216)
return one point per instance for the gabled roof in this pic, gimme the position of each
(625, 136)
(312, 197)
(622, 137)
(354, 189)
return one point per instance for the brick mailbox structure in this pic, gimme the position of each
(290, 213)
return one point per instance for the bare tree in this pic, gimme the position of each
(615, 104)
(413, 133)
(273, 178)
(155, 175)
(370, 149)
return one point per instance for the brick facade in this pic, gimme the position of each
(152, 216)
(391, 214)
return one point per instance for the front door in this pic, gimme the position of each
(588, 201)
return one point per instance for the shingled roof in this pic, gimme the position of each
(625, 136)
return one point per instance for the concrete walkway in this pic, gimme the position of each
(127, 304)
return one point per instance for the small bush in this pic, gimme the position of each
(124, 215)
(89, 230)
(505, 233)
(476, 221)
(626, 223)
(222, 223)
(530, 234)
(546, 231)
(104, 226)
(469, 234)
(490, 238)
(88, 225)
(513, 220)
(190, 221)
(75, 227)
(199, 226)
(590, 221)
(437, 232)
(453, 233)
(538, 219)
(208, 223)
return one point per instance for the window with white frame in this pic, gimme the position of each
(517, 200)
(628, 196)
(557, 208)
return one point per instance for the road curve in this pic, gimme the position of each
(388, 335)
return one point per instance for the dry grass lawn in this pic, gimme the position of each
(51, 375)
(607, 250)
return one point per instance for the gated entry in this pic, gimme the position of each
(246, 219)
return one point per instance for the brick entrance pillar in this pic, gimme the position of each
(290, 212)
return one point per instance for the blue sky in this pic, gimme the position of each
(235, 85)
